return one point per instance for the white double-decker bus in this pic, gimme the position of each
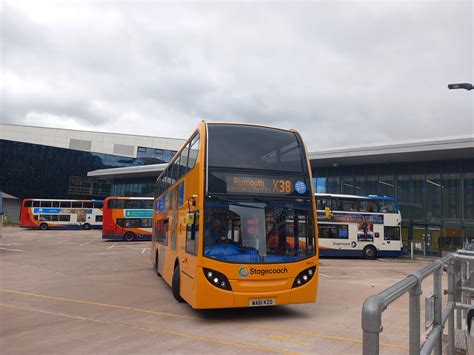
(367, 226)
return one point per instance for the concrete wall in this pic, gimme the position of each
(12, 209)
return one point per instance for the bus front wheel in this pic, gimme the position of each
(43, 226)
(129, 236)
(86, 226)
(175, 284)
(369, 252)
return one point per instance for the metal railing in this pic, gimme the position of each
(460, 266)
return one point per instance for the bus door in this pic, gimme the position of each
(191, 245)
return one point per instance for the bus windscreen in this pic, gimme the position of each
(254, 148)
(258, 232)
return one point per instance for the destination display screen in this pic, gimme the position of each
(258, 184)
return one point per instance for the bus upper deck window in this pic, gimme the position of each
(36, 203)
(65, 204)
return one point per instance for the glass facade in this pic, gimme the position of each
(157, 155)
(40, 171)
(436, 197)
(135, 187)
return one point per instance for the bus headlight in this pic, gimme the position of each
(304, 277)
(217, 279)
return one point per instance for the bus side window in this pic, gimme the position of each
(65, 204)
(36, 203)
(192, 235)
(55, 203)
(165, 231)
(147, 204)
(119, 222)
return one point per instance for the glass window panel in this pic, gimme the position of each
(193, 152)
(403, 190)
(433, 190)
(46, 204)
(386, 182)
(334, 181)
(451, 196)
(347, 180)
(468, 189)
(65, 204)
(372, 180)
(418, 193)
(359, 181)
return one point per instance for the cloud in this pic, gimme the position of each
(342, 73)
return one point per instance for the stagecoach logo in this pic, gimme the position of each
(353, 244)
(244, 271)
(300, 187)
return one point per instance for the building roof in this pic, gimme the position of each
(130, 171)
(7, 196)
(119, 144)
(422, 150)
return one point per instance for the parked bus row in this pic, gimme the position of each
(120, 218)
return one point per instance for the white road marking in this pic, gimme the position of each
(18, 250)
(143, 251)
(61, 241)
(324, 275)
(9, 244)
(83, 244)
(111, 246)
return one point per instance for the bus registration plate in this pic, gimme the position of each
(262, 302)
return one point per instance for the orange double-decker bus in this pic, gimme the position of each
(127, 218)
(234, 223)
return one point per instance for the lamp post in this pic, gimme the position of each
(465, 86)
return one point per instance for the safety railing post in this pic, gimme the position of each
(438, 308)
(414, 320)
(371, 324)
(451, 298)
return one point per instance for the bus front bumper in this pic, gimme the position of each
(210, 296)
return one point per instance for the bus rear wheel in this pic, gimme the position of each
(175, 284)
(129, 237)
(43, 226)
(86, 226)
(369, 252)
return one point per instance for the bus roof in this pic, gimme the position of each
(59, 199)
(369, 197)
(128, 198)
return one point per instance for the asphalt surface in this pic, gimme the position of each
(69, 292)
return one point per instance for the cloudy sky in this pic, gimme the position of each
(342, 73)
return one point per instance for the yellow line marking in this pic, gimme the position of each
(152, 330)
(290, 340)
(98, 304)
(288, 331)
(324, 336)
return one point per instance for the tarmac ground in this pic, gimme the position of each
(70, 292)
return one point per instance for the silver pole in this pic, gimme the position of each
(451, 286)
(438, 311)
(411, 250)
(414, 320)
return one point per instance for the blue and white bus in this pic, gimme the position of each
(367, 226)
